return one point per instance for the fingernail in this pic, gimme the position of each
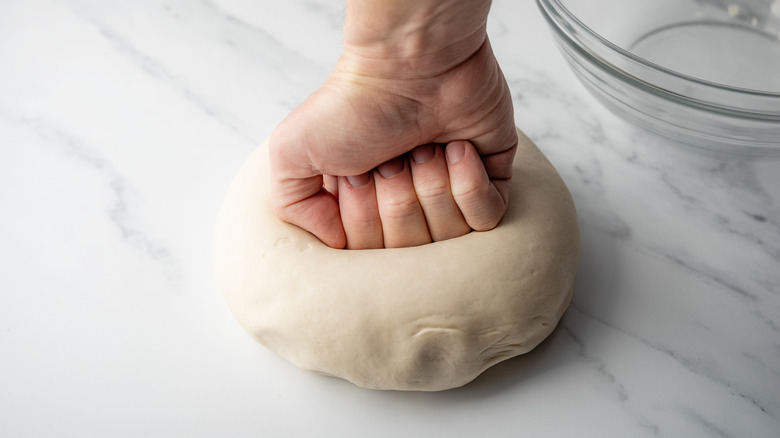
(455, 151)
(358, 180)
(422, 154)
(391, 168)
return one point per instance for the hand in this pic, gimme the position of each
(370, 112)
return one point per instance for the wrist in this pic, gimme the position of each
(412, 38)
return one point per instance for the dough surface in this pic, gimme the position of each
(431, 317)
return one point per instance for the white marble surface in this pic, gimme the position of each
(121, 126)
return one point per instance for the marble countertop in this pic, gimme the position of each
(121, 126)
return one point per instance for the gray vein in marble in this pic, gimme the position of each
(715, 277)
(76, 149)
(735, 177)
(157, 70)
(694, 365)
(712, 276)
(265, 38)
(704, 423)
(619, 389)
(764, 235)
(327, 9)
(739, 178)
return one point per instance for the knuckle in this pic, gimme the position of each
(361, 217)
(471, 193)
(481, 209)
(433, 190)
(400, 208)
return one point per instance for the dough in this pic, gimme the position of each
(429, 318)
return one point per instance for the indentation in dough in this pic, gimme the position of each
(500, 337)
(541, 320)
(289, 242)
(498, 357)
(435, 330)
(438, 352)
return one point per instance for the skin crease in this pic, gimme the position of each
(418, 116)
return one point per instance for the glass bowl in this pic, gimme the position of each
(705, 73)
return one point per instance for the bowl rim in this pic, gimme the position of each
(559, 7)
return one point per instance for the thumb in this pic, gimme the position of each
(310, 207)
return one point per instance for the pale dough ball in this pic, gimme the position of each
(431, 317)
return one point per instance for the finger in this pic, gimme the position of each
(305, 203)
(499, 170)
(359, 212)
(478, 197)
(403, 221)
(331, 184)
(432, 186)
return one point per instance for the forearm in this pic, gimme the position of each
(399, 38)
